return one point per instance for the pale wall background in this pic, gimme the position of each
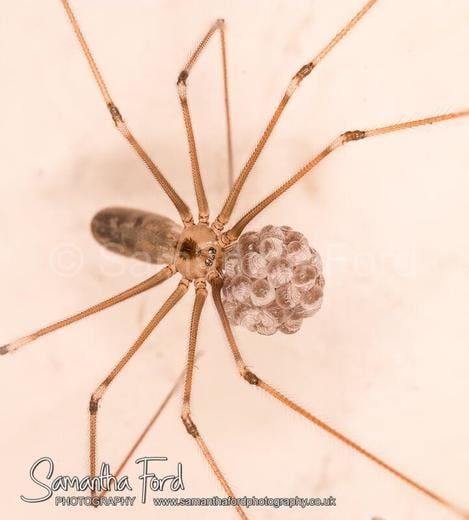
(385, 360)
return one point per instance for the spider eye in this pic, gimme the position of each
(212, 250)
(208, 262)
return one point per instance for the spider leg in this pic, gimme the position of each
(148, 427)
(253, 379)
(181, 206)
(230, 202)
(200, 297)
(182, 90)
(97, 395)
(154, 280)
(346, 137)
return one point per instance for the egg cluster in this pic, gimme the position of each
(272, 281)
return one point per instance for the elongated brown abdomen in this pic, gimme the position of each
(136, 233)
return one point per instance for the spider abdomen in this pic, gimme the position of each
(272, 281)
(136, 233)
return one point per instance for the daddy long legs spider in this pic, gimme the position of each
(362, 147)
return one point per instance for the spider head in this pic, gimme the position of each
(198, 253)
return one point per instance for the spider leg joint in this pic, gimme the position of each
(183, 75)
(116, 115)
(304, 71)
(250, 377)
(190, 426)
(201, 286)
(353, 135)
(96, 396)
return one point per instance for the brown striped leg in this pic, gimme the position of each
(97, 395)
(156, 279)
(182, 90)
(230, 202)
(148, 427)
(253, 379)
(200, 296)
(353, 135)
(181, 206)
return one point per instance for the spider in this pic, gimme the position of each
(213, 239)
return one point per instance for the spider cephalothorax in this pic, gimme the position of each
(198, 252)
